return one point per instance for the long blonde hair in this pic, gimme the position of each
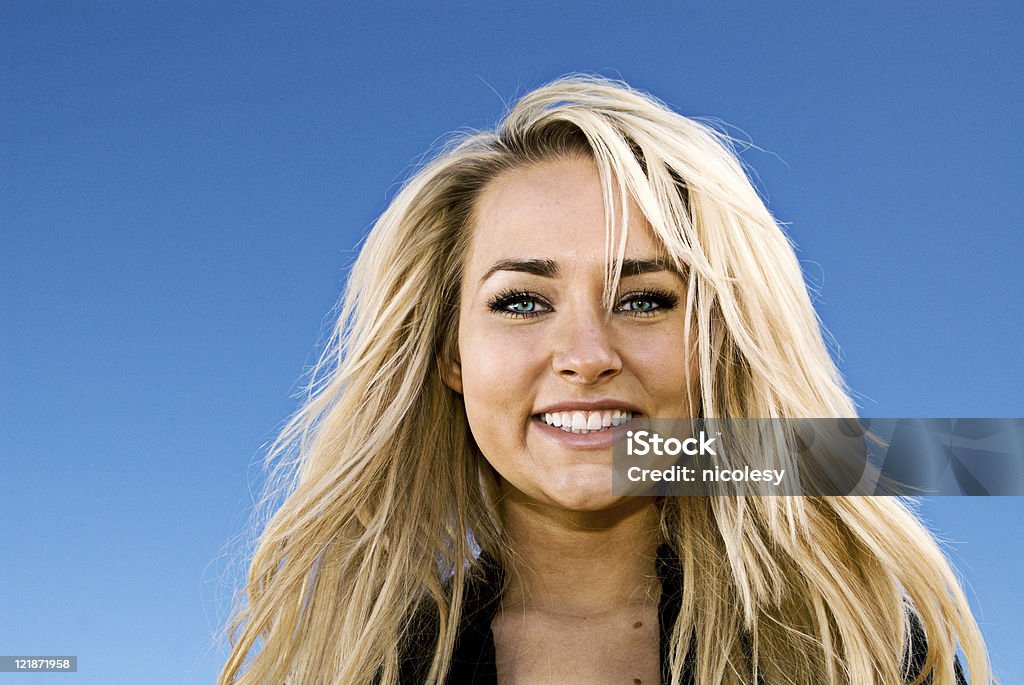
(388, 499)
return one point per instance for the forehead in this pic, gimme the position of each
(553, 209)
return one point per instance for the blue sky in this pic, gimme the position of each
(184, 185)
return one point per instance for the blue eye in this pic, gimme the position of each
(641, 305)
(647, 302)
(523, 306)
(517, 304)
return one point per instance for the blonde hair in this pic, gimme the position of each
(388, 498)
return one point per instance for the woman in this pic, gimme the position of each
(596, 260)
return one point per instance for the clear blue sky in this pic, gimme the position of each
(183, 185)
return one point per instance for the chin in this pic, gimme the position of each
(585, 491)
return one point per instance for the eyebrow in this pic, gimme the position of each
(635, 267)
(548, 268)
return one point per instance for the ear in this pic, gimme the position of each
(451, 373)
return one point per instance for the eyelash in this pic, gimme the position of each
(661, 299)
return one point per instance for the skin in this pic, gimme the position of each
(581, 605)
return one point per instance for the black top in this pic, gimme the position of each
(474, 662)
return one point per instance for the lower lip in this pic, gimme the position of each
(596, 440)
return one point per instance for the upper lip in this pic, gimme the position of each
(588, 405)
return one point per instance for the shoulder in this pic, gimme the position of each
(916, 652)
(417, 645)
(474, 647)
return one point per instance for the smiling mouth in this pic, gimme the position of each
(586, 421)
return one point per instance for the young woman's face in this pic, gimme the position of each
(546, 377)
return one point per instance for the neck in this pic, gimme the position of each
(581, 564)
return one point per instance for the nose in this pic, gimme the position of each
(584, 351)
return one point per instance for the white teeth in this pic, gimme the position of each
(586, 421)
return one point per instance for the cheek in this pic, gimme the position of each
(664, 371)
(498, 373)
(498, 391)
